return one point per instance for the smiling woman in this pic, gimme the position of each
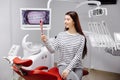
(71, 45)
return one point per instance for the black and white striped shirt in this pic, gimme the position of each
(70, 49)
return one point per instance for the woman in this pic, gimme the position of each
(71, 45)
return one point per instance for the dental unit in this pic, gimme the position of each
(36, 55)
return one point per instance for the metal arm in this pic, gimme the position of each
(98, 3)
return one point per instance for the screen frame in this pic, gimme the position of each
(34, 26)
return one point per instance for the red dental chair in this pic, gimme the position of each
(39, 73)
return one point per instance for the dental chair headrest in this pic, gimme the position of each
(23, 62)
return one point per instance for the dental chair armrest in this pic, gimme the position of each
(23, 62)
(41, 68)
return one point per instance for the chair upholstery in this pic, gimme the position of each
(85, 72)
(39, 73)
(25, 62)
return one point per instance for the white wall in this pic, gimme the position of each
(12, 34)
(5, 38)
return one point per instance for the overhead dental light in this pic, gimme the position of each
(98, 11)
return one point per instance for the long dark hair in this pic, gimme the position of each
(78, 28)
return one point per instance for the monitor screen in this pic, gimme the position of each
(30, 17)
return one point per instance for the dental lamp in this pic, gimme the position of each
(98, 3)
(98, 11)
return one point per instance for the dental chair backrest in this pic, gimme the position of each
(37, 53)
(28, 48)
(39, 73)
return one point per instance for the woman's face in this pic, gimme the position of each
(68, 21)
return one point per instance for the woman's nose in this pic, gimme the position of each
(65, 21)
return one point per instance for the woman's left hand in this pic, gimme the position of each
(65, 74)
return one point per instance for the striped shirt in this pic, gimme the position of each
(70, 49)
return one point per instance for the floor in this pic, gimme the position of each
(101, 75)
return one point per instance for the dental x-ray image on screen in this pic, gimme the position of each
(30, 17)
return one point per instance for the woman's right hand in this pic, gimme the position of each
(43, 38)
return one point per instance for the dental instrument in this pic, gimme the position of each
(41, 26)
